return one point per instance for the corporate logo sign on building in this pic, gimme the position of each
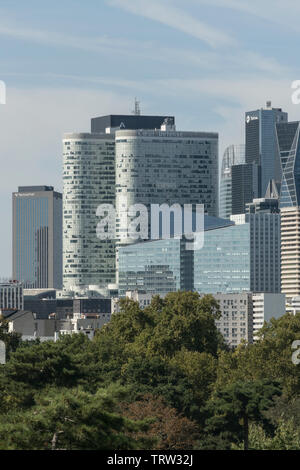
(251, 118)
(2, 92)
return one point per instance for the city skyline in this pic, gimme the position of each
(183, 61)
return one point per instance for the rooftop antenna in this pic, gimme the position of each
(137, 109)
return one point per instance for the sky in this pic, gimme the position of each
(206, 62)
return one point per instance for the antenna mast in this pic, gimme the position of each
(137, 109)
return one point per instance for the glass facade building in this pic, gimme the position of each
(246, 186)
(261, 142)
(289, 150)
(37, 237)
(223, 264)
(89, 180)
(157, 266)
(236, 257)
(233, 155)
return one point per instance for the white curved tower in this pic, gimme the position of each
(165, 167)
(89, 180)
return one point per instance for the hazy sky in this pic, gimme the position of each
(205, 61)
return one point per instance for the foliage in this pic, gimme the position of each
(160, 376)
(168, 429)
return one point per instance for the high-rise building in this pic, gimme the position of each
(233, 155)
(164, 167)
(261, 142)
(241, 257)
(289, 150)
(37, 237)
(155, 266)
(89, 180)
(290, 251)
(246, 186)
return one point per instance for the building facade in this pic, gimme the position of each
(289, 150)
(37, 237)
(261, 142)
(290, 251)
(158, 266)
(107, 124)
(11, 295)
(236, 322)
(164, 167)
(241, 257)
(246, 186)
(89, 180)
(265, 307)
(233, 155)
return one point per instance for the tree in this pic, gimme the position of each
(12, 340)
(71, 420)
(270, 357)
(239, 403)
(169, 430)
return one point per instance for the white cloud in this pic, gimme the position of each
(284, 13)
(177, 18)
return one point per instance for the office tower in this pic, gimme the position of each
(246, 185)
(233, 155)
(290, 251)
(265, 307)
(37, 237)
(11, 295)
(160, 266)
(261, 142)
(157, 266)
(107, 124)
(89, 180)
(289, 150)
(241, 257)
(164, 166)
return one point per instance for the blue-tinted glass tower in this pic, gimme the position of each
(37, 237)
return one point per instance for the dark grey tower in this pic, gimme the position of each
(261, 142)
(289, 149)
(37, 237)
(246, 180)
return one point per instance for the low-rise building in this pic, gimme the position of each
(11, 295)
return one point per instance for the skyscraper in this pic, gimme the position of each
(289, 151)
(89, 180)
(290, 251)
(261, 142)
(241, 257)
(233, 155)
(246, 185)
(164, 166)
(37, 237)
